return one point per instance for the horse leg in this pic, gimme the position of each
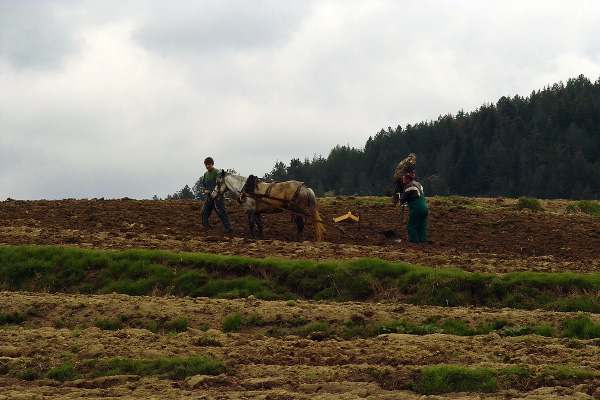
(258, 221)
(300, 226)
(251, 216)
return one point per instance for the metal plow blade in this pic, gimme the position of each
(392, 235)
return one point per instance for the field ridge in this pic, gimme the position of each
(65, 335)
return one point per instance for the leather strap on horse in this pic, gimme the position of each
(268, 191)
(267, 194)
(261, 197)
(297, 193)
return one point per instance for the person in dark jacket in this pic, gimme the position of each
(406, 166)
(414, 196)
(209, 182)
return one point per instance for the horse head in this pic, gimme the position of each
(220, 187)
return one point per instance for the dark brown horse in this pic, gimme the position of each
(261, 197)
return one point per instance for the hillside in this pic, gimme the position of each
(543, 145)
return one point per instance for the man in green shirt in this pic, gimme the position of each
(209, 182)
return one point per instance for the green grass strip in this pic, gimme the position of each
(175, 368)
(150, 272)
(450, 378)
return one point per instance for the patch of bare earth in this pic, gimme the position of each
(271, 364)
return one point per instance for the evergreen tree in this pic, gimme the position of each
(198, 189)
(184, 194)
(546, 145)
(278, 173)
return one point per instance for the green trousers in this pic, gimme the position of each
(218, 205)
(416, 225)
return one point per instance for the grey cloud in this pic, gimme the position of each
(35, 34)
(203, 27)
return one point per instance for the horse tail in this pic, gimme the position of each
(314, 213)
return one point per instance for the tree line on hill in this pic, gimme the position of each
(195, 192)
(546, 145)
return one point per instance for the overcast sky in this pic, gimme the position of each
(126, 98)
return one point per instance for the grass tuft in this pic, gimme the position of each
(529, 203)
(11, 318)
(449, 201)
(233, 323)
(584, 206)
(440, 379)
(581, 327)
(109, 324)
(64, 372)
(178, 325)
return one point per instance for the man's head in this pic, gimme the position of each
(208, 163)
(407, 178)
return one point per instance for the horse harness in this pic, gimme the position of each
(252, 183)
(249, 190)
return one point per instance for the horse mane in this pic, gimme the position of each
(251, 183)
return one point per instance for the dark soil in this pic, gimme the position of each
(273, 361)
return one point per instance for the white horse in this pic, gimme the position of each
(261, 197)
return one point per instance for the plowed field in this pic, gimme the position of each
(487, 235)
